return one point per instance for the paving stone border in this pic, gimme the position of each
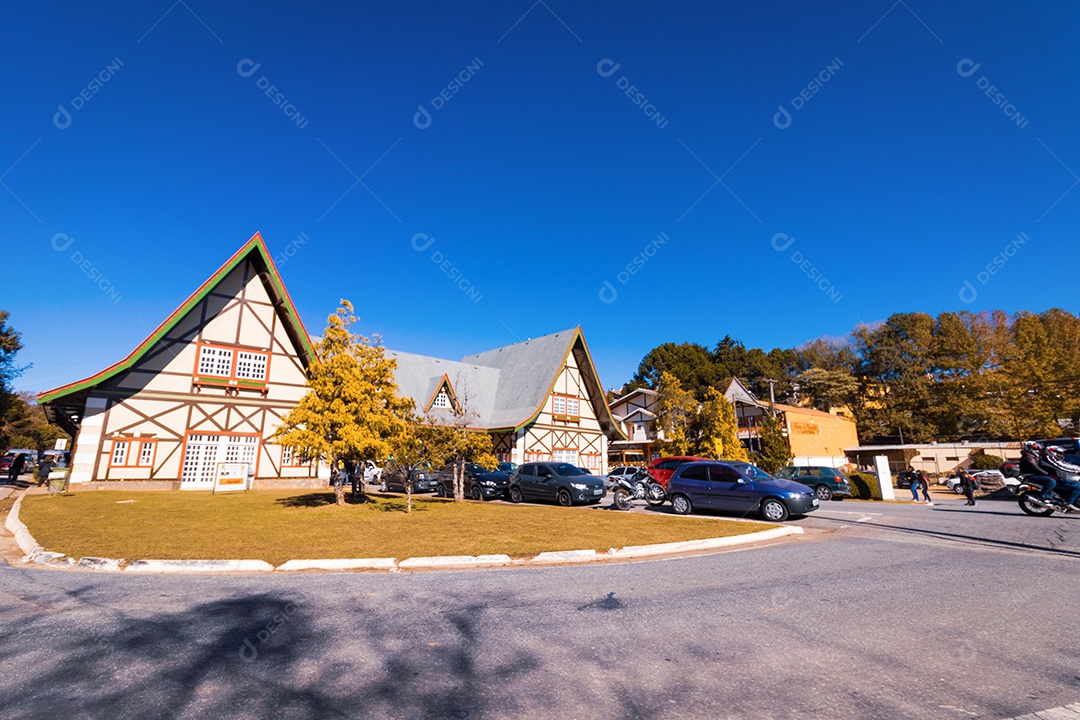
(36, 555)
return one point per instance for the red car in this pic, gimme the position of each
(662, 468)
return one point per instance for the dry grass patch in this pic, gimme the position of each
(276, 526)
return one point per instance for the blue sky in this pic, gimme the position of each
(787, 171)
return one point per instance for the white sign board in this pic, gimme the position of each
(231, 477)
(61, 444)
(884, 477)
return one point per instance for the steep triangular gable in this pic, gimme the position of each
(446, 385)
(737, 392)
(255, 250)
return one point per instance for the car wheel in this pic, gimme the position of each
(957, 489)
(440, 491)
(564, 499)
(823, 493)
(774, 511)
(681, 505)
(475, 494)
(383, 487)
(515, 494)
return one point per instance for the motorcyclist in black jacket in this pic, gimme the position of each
(1031, 468)
(1053, 460)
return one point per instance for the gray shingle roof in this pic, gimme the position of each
(501, 388)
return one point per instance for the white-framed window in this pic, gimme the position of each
(286, 456)
(558, 405)
(591, 461)
(442, 400)
(566, 455)
(119, 452)
(250, 365)
(146, 453)
(572, 407)
(215, 361)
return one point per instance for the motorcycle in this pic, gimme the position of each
(626, 489)
(1028, 497)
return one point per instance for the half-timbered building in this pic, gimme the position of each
(208, 386)
(540, 399)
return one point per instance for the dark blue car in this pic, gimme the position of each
(738, 487)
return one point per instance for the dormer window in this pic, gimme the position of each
(442, 400)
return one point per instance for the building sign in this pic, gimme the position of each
(805, 428)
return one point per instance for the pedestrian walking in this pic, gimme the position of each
(924, 486)
(969, 485)
(17, 464)
(43, 469)
(914, 487)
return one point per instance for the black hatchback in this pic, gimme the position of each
(479, 482)
(560, 482)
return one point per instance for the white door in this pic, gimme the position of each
(204, 452)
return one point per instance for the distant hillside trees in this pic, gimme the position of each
(959, 375)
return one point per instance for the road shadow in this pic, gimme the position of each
(262, 655)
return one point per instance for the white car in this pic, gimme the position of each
(372, 472)
(983, 476)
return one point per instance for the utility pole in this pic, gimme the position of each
(772, 397)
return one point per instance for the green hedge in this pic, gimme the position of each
(864, 487)
(986, 462)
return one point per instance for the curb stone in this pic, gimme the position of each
(182, 566)
(631, 551)
(565, 556)
(97, 563)
(339, 564)
(23, 537)
(455, 561)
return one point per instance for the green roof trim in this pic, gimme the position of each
(255, 249)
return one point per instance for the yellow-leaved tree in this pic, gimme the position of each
(351, 410)
(717, 432)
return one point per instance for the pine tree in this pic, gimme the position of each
(351, 410)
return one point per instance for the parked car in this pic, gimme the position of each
(558, 481)
(422, 477)
(30, 459)
(507, 467)
(662, 468)
(1010, 468)
(372, 472)
(479, 482)
(904, 478)
(983, 477)
(630, 472)
(828, 483)
(738, 487)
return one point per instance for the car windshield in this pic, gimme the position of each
(753, 472)
(474, 468)
(566, 469)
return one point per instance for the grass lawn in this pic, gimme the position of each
(280, 525)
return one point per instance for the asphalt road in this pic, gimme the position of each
(879, 611)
